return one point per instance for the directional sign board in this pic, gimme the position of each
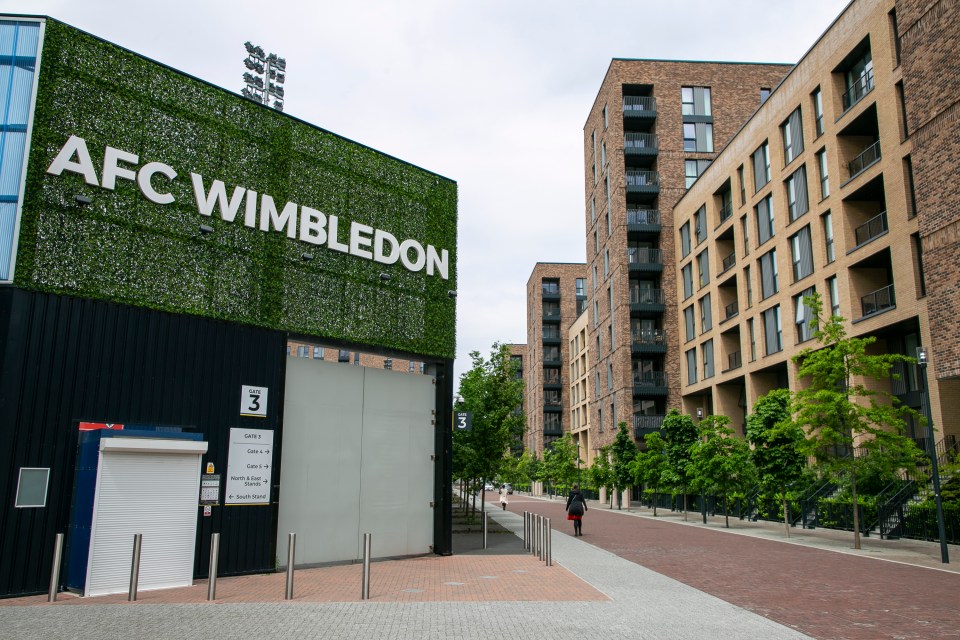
(462, 420)
(249, 466)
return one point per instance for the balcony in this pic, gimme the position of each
(551, 379)
(726, 211)
(551, 315)
(644, 259)
(864, 160)
(878, 301)
(728, 263)
(643, 220)
(640, 144)
(871, 229)
(551, 335)
(643, 425)
(646, 300)
(639, 107)
(643, 181)
(861, 87)
(731, 310)
(734, 361)
(648, 341)
(650, 383)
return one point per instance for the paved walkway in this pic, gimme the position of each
(629, 576)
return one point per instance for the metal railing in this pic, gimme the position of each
(866, 158)
(648, 336)
(646, 296)
(642, 425)
(638, 141)
(872, 228)
(861, 87)
(734, 361)
(551, 313)
(551, 379)
(550, 288)
(729, 261)
(644, 255)
(551, 333)
(726, 211)
(650, 379)
(731, 310)
(877, 301)
(639, 103)
(642, 178)
(643, 216)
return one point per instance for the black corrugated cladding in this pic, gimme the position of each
(66, 359)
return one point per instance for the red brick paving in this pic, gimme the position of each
(822, 593)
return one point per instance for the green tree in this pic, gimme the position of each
(601, 471)
(649, 466)
(842, 406)
(624, 450)
(560, 461)
(778, 446)
(529, 466)
(720, 462)
(679, 434)
(492, 391)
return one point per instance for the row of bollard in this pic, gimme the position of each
(538, 536)
(214, 557)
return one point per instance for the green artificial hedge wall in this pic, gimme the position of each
(124, 248)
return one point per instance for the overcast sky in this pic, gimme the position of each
(490, 93)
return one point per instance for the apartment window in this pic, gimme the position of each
(685, 240)
(764, 94)
(318, 353)
(600, 417)
(818, 110)
(828, 236)
(550, 286)
(593, 210)
(687, 272)
(692, 366)
(764, 211)
(834, 289)
(761, 167)
(610, 331)
(902, 112)
(753, 341)
(609, 227)
(804, 316)
(745, 223)
(606, 189)
(581, 287)
(896, 34)
(343, 356)
(918, 257)
(606, 262)
(912, 194)
(743, 186)
(703, 267)
(356, 358)
(605, 120)
(596, 241)
(797, 201)
(302, 351)
(609, 376)
(801, 249)
(706, 314)
(824, 173)
(603, 155)
(695, 101)
(689, 323)
(858, 79)
(411, 366)
(388, 363)
(792, 131)
(769, 278)
(596, 314)
(423, 367)
(698, 136)
(748, 279)
(693, 169)
(706, 353)
(772, 331)
(700, 223)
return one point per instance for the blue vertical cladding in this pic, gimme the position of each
(18, 60)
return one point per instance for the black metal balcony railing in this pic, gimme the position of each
(640, 142)
(729, 261)
(861, 87)
(649, 379)
(551, 333)
(642, 425)
(726, 211)
(734, 361)
(639, 103)
(646, 296)
(648, 336)
(643, 216)
(551, 378)
(872, 228)
(644, 255)
(642, 179)
(731, 310)
(552, 314)
(877, 301)
(550, 288)
(865, 159)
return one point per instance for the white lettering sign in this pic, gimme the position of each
(249, 466)
(260, 211)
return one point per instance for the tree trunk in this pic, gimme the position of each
(786, 513)
(726, 511)
(685, 502)
(856, 511)
(656, 497)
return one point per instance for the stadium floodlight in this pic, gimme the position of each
(270, 69)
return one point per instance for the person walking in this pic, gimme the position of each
(576, 507)
(503, 497)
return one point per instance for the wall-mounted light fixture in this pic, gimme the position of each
(306, 256)
(452, 293)
(83, 200)
(205, 229)
(385, 276)
(699, 413)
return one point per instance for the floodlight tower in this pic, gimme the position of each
(271, 71)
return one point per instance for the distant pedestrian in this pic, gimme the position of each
(503, 497)
(576, 507)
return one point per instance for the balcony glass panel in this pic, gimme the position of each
(867, 157)
(877, 301)
(872, 228)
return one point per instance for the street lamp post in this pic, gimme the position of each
(703, 492)
(925, 398)
(579, 484)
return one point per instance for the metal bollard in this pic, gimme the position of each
(543, 538)
(539, 537)
(214, 558)
(526, 535)
(533, 533)
(291, 556)
(135, 567)
(55, 569)
(365, 589)
(486, 517)
(549, 545)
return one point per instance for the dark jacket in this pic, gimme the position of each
(577, 501)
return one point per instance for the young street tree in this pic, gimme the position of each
(624, 451)
(720, 462)
(846, 417)
(649, 466)
(601, 471)
(492, 391)
(560, 461)
(778, 446)
(679, 434)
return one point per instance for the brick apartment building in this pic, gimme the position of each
(841, 183)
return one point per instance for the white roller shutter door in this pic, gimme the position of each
(148, 486)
